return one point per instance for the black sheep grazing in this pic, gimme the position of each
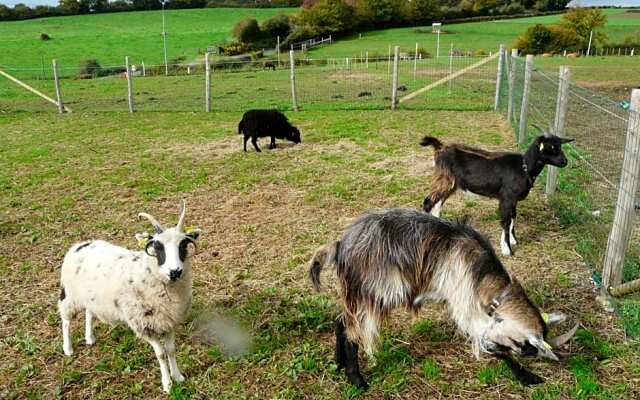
(264, 123)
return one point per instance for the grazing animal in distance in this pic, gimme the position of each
(396, 258)
(506, 176)
(267, 123)
(269, 65)
(364, 94)
(149, 291)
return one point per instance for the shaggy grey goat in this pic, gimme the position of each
(401, 257)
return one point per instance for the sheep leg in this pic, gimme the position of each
(246, 138)
(161, 355)
(170, 347)
(272, 145)
(66, 337)
(254, 142)
(66, 312)
(352, 368)
(341, 339)
(506, 211)
(89, 338)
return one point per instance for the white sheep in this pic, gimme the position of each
(148, 290)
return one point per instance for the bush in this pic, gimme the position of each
(327, 16)
(535, 40)
(247, 31)
(234, 48)
(89, 69)
(278, 25)
(422, 12)
(512, 9)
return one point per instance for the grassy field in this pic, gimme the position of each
(478, 35)
(111, 37)
(62, 180)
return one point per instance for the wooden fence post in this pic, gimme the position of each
(558, 124)
(207, 83)
(366, 59)
(625, 206)
(394, 79)
(522, 128)
(496, 102)
(278, 50)
(389, 60)
(129, 84)
(144, 69)
(56, 80)
(512, 81)
(292, 61)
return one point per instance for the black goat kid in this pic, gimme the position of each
(505, 176)
(264, 123)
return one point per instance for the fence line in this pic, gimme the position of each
(586, 191)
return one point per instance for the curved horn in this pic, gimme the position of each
(153, 221)
(183, 208)
(562, 339)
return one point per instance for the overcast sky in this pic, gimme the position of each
(30, 3)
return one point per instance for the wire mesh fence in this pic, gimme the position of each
(328, 83)
(589, 187)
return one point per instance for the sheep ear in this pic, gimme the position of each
(193, 233)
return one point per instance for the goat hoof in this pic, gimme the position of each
(90, 341)
(358, 381)
(529, 378)
(166, 387)
(68, 352)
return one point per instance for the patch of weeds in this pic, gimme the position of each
(305, 358)
(181, 392)
(599, 347)
(430, 369)
(26, 371)
(630, 312)
(546, 392)
(70, 375)
(430, 330)
(563, 280)
(586, 382)
(489, 375)
(392, 362)
(24, 342)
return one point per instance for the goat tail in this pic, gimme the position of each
(325, 255)
(431, 141)
(240, 127)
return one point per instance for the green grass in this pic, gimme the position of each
(67, 178)
(111, 37)
(475, 36)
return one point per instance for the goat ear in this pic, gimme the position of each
(564, 140)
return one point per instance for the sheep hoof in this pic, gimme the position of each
(178, 377)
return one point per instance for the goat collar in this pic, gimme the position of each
(497, 300)
(526, 171)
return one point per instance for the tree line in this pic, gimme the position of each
(77, 7)
(341, 17)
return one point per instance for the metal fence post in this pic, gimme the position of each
(292, 61)
(625, 206)
(56, 80)
(207, 83)
(129, 84)
(450, 66)
(512, 82)
(558, 124)
(522, 128)
(415, 63)
(499, 78)
(394, 80)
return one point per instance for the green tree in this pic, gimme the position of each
(582, 21)
(71, 7)
(422, 12)
(278, 25)
(5, 13)
(22, 11)
(247, 31)
(378, 13)
(328, 16)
